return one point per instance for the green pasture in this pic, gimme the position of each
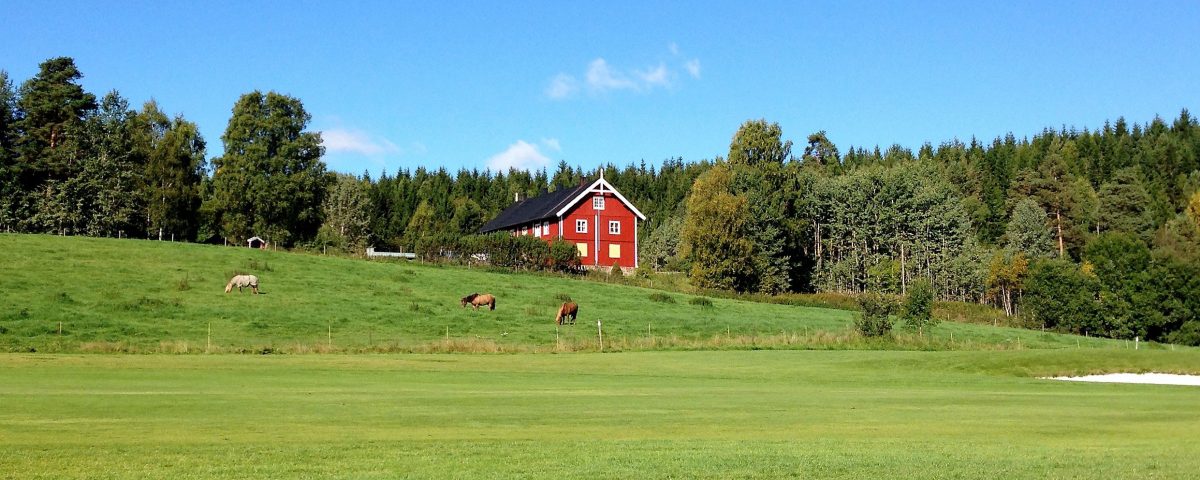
(77, 294)
(709, 414)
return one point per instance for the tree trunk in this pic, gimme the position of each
(1058, 223)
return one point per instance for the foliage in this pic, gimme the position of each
(873, 319)
(715, 237)
(1027, 231)
(917, 311)
(1059, 295)
(346, 212)
(757, 142)
(270, 182)
(1006, 278)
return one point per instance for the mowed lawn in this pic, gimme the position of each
(714, 414)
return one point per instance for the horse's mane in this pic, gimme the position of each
(470, 297)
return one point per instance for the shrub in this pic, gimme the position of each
(563, 297)
(564, 257)
(917, 311)
(702, 302)
(873, 320)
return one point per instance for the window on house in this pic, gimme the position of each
(546, 228)
(537, 230)
(614, 227)
(614, 251)
(598, 203)
(582, 247)
(581, 226)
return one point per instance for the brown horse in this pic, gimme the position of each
(478, 299)
(567, 313)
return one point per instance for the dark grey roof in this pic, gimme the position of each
(530, 210)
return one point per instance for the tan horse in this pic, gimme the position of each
(242, 281)
(567, 313)
(477, 299)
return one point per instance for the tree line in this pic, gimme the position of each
(1088, 231)
(1091, 232)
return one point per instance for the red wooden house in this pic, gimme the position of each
(600, 221)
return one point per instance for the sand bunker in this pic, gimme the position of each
(1150, 378)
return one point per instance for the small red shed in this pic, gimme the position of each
(601, 222)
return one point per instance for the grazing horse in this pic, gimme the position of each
(567, 313)
(478, 299)
(242, 281)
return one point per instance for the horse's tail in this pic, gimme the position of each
(492, 305)
(229, 286)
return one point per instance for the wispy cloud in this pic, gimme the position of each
(602, 77)
(343, 140)
(657, 76)
(562, 86)
(523, 156)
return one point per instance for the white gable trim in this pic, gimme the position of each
(600, 186)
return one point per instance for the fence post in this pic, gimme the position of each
(600, 331)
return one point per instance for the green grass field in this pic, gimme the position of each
(737, 389)
(713, 414)
(75, 294)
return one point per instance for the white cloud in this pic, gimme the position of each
(354, 141)
(657, 76)
(601, 77)
(521, 156)
(562, 86)
(551, 144)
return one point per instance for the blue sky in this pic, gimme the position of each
(491, 84)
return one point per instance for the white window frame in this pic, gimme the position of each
(614, 227)
(598, 202)
(581, 225)
(546, 228)
(537, 230)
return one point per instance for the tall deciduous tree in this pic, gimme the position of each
(271, 180)
(174, 172)
(347, 208)
(1027, 231)
(714, 235)
(758, 141)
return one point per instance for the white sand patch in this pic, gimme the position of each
(1149, 378)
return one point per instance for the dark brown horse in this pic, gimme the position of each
(567, 313)
(478, 299)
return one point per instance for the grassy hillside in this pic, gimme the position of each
(724, 414)
(66, 294)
